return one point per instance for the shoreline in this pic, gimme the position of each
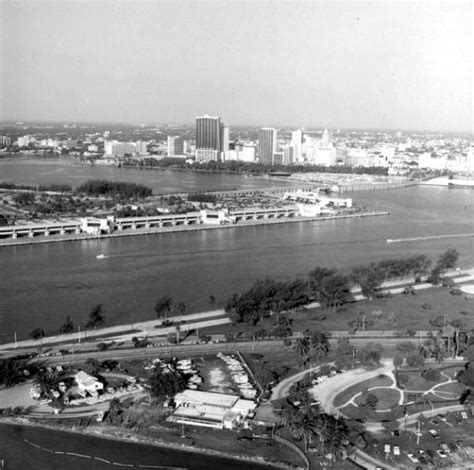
(118, 436)
(180, 228)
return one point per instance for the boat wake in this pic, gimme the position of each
(100, 459)
(430, 237)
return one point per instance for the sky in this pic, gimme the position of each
(337, 64)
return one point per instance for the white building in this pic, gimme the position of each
(97, 226)
(297, 143)
(209, 409)
(207, 155)
(216, 217)
(87, 384)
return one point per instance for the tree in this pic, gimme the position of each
(448, 259)
(37, 333)
(67, 326)
(406, 347)
(11, 371)
(166, 384)
(334, 291)
(397, 361)
(182, 308)
(212, 300)
(96, 316)
(302, 349)
(163, 305)
(466, 376)
(415, 360)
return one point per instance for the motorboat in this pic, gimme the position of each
(101, 256)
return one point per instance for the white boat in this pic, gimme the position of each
(101, 256)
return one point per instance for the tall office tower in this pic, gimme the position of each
(209, 137)
(297, 141)
(267, 145)
(288, 154)
(225, 138)
(175, 145)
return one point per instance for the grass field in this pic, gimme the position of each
(397, 313)
(348, 393)
(386, 398)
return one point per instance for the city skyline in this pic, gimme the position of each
(348, 65)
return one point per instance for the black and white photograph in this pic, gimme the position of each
(236, 234)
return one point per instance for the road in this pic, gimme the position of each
(153, 328)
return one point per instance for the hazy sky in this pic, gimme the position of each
(334, 63)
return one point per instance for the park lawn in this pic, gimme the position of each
(379, 381)
(408, 312)
(387, 397)
(415, 381)
(453, 387)
(274, 360)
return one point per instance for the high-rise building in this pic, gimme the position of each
(175, 145)
(267, 145)
(297, 142)
(210, 136)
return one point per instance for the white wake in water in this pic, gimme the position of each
(430, 237)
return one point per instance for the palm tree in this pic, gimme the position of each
(302, 349)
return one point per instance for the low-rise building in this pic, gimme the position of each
(210, 409)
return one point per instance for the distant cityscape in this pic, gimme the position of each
(399, 153)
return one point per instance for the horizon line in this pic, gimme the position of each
(252, 125)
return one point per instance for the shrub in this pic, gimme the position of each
(455, 291)
(432, 375)
(411, 333)
(403, 379)
(464, 312)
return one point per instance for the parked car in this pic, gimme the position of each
(442, 453)
(396, 450)
(386, 448)
(434, 433)
(412, 458)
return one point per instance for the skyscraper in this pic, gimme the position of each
(297, 141)
(209, 137)
(175, 145)
(267, 145)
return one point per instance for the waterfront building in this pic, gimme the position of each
(175, 146)
(210, 135)
(113, 148)
(210, 409)
(267, 145)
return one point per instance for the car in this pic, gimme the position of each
(463, 415)
(442, 453)
(396, 450)
(417, 433)
(386, 448)
(434, 433)
(460, 444)
(443, 418)
(396, 432)
(412, 458)
(445, 448)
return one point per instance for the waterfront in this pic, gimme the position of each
(40, 285)
(17, 451)
(66, 170)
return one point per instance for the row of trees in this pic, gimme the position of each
(60, 188)
(255, 168)
(328, 286)
(115, 189)
(96, 319)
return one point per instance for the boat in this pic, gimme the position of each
(101, 256)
